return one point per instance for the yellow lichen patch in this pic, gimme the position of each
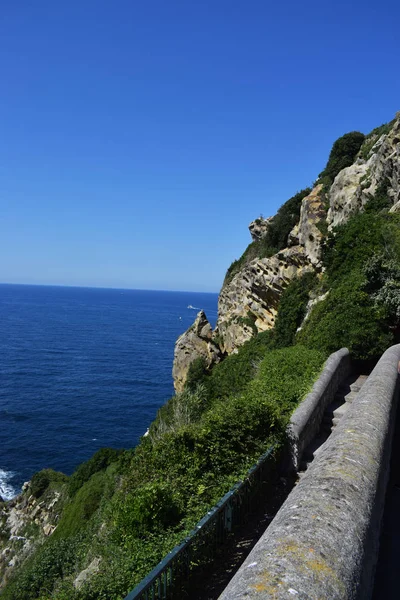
(267, 584)
(320, 566)
(305, 560)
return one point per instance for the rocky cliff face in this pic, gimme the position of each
(355, 185)
(196, 342)
(24, 521)
(248, 302)
(259, 227)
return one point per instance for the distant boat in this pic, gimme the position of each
(193, 307)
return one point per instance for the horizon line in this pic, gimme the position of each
(99, 287)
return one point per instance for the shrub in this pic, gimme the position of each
(285, 219)
(380, 200)
(292, 308)
(41, 481)
(98, 462)
(84, 504)
(56, 559)
(231, 376)
(196, 374)
(347, 318)
(151, 507)
(350, 245)
(343, 154)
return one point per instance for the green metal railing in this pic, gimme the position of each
(171, 575)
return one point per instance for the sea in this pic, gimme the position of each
(83, 369)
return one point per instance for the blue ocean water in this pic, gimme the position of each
(81, 369)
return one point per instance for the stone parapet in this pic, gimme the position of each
(307, 418)
(323, 543)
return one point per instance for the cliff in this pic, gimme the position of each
(321, 274)
(250, 296)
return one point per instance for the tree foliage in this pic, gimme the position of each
(342, 155)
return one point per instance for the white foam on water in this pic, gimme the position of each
(7, 491)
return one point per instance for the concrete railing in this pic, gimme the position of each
(323, 543)
(307, 418)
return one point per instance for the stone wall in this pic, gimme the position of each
(307, 418)
(323, 543)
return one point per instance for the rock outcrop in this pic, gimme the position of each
(196, 342)
(24, 521)
(355, 185)
(249, 302)
(306, 232)
(259, 227)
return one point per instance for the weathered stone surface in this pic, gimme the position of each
(15, 517)
(354, 185)
(307, 418)
(252, 296)
(310, 305)
(323, 542)
(196, 342)
(87, 573)
(259, 227)
(345, 196)
(306, 232)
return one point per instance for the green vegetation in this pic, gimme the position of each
(380, 200)
(128, 509)
(292, 308)
(276, 236)
(342, 155)
(41, 481)
(360, 311)
(131, 513)
(99, 461)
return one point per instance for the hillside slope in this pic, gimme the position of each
(321, 274)
(362, 174)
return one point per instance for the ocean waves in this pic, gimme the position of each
(7, 489)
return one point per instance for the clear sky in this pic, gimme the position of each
(139, 138)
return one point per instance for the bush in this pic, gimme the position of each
(153, 506)
(292, 308)
(350, 245)
(361, 310)
(56, 559)
(343, 154)
(285, 219)
(98, 462)
(231, 376)
(77, 514)
(347, 318)
(41, 481)
(380, 200)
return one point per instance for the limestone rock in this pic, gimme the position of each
(249, 302)
(345, 196)
(196, 342)
(259, 227)
(354, 185)
(48, 529)
(306, 232)
(84, 575)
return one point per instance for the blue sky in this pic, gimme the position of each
(139, 139)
